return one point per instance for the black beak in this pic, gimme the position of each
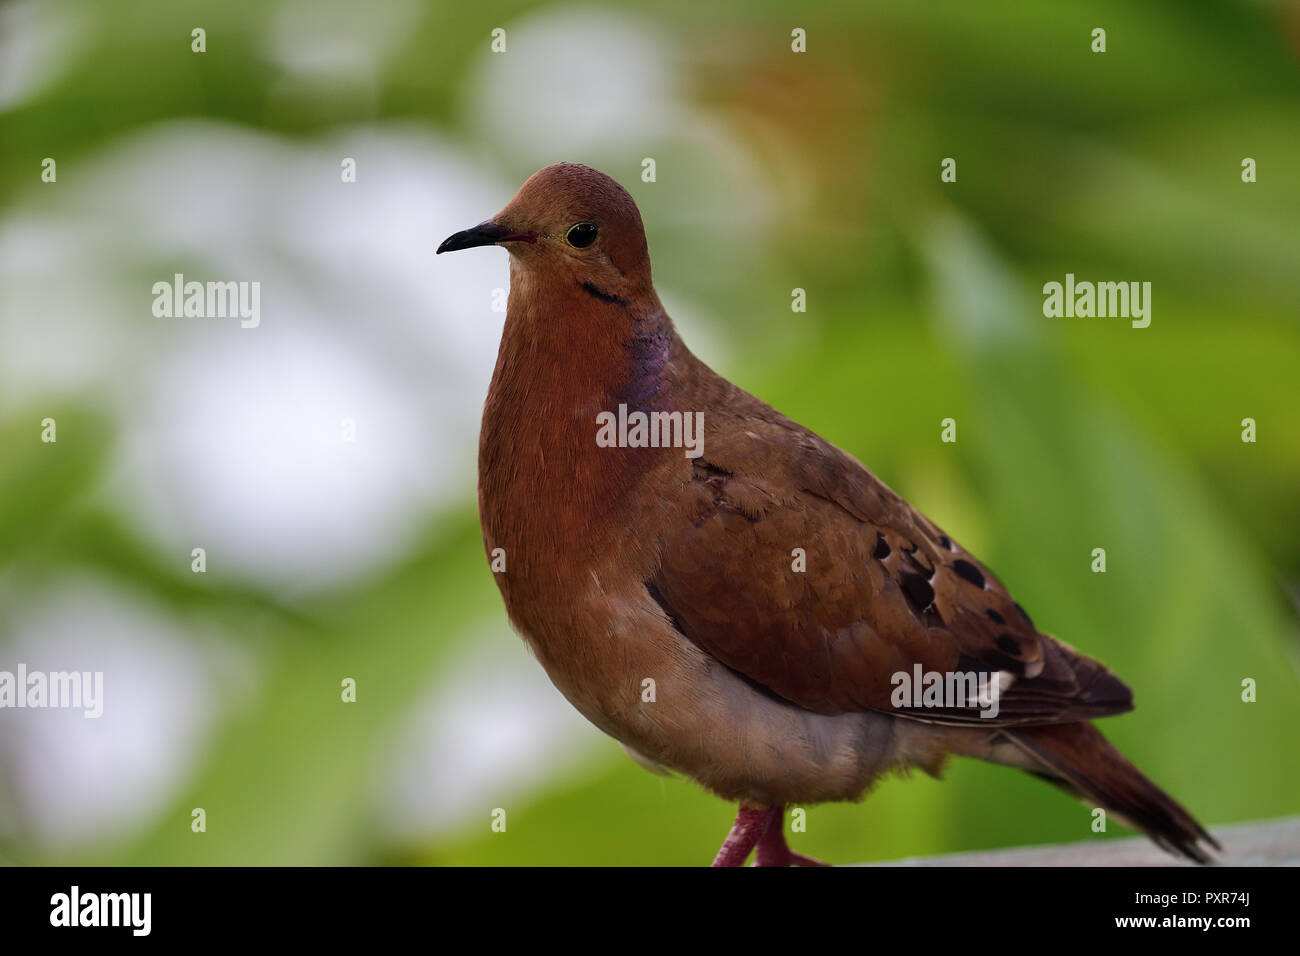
(484, 234)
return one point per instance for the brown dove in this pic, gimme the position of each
(727, 594)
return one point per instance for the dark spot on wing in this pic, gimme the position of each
(969, 572)
(882, 547)
(919, 593)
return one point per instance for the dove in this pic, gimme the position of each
(653, 577)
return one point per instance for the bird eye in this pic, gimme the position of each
(581, 235)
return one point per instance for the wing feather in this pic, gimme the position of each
(884, 589)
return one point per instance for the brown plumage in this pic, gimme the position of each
(625, 565)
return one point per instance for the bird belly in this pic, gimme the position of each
(675, 707)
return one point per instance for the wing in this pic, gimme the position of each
(883, 589)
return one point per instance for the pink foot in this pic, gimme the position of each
(772, 850)
(749, 828)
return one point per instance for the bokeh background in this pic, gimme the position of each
(774, 170)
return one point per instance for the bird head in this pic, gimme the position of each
(570, 223)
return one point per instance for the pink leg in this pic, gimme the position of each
(772, 850)
(748, 829)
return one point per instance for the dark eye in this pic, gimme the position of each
(581, 235)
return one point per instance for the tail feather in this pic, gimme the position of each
(1080, 759)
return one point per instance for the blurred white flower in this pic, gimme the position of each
(337, 40)
(490, 733)
(576, 80)
(233, 438)
(38, 39)
(77, 780)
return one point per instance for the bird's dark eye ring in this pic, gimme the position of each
(581, 235)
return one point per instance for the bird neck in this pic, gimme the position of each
(567, 355)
